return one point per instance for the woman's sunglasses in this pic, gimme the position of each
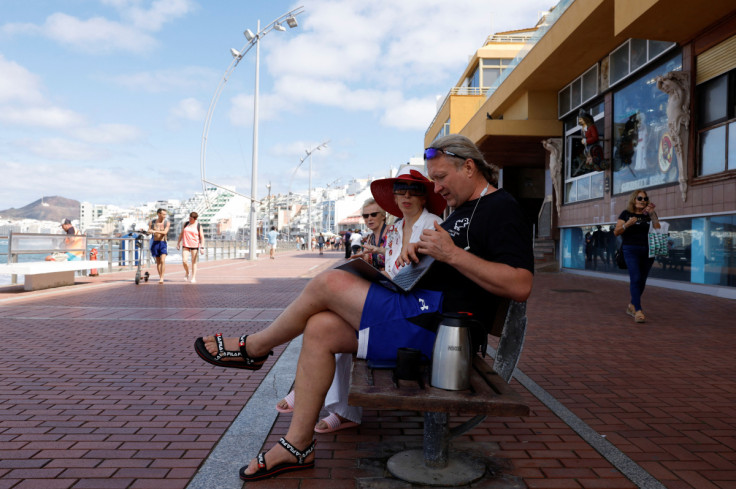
(372, 214)
(645, 199)
(414, 189)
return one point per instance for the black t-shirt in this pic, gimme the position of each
(636, 234)
(499, 232)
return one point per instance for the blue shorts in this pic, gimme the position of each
(159, 248)
(386, 324)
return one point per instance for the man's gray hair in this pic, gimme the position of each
(465, 148)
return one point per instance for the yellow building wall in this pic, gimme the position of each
(462, 108)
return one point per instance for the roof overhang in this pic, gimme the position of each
(516, 143)
(588, 31)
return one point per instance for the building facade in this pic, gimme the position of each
(611, 96)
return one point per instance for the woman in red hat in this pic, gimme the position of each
(409, 196)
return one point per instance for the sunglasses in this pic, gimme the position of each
(414, 189)
(372, 214)
(645, 199)
(431, 153)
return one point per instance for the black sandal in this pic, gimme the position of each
(264, 472)
(248, 363)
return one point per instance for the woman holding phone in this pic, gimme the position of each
(633, 226)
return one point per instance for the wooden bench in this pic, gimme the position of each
(489, 395)
(47, 274)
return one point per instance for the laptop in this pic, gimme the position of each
(404, 281)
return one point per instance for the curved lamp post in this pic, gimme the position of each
(253, 40)
(309, 198)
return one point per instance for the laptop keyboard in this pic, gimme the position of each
(405, 279)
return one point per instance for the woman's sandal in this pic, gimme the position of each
(289, 400)
(334, 423)
(264, 472)
(248, 363)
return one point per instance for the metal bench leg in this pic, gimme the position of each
(434, 465)
(436, 440)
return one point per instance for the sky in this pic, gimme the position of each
(105, 101)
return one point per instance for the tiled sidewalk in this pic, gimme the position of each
(101, 387)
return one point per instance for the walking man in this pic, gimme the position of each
(159, 228)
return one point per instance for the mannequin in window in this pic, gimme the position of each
(593, 148)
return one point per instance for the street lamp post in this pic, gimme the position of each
(309, 198)
(253, 40)
(268, 205)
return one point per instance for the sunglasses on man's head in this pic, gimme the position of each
(372, 214)
(414, 189)
(431, 153)
(645, 199)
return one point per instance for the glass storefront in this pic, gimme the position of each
(643, 153)
(702, 250)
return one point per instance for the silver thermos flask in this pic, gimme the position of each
(452, 354)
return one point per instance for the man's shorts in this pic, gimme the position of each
(159, 248)
(386, 325)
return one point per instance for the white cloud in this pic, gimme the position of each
(99, 35)
(17, 84)
(186, 78)
(161, 12)
(412, 114)
(63, 149)
(189, 109)
(108, 134)
(96, 35)
(47, 117)
(384, 56)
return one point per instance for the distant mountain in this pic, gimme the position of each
(45, 209)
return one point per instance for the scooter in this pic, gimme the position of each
(139, 245)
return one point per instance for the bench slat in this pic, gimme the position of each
(489, 393)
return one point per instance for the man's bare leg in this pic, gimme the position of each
(325, 334)
(334, 290)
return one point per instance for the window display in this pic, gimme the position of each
(643, 152)
(584, 161)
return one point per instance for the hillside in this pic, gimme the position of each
(45, 209)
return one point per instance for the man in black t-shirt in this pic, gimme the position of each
(483, 252)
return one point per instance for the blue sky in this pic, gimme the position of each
(105, 100)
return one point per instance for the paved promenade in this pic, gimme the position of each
(101, 388)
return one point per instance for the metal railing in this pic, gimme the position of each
(118, 254)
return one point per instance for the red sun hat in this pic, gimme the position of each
(383, 192)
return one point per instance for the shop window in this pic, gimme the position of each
(633, 55)
(642, 149)
(717, 124)
(700, 250)
(584, 162)
(579, 92)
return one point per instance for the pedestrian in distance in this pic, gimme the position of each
(633, 227)
(272, 237)
(356, 241)
(346, 243)
(191, 241)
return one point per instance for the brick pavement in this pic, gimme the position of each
(101, 389)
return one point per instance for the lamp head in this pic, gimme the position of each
(235, 53)
(279, 27)
(291, 21)
(249, 35)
